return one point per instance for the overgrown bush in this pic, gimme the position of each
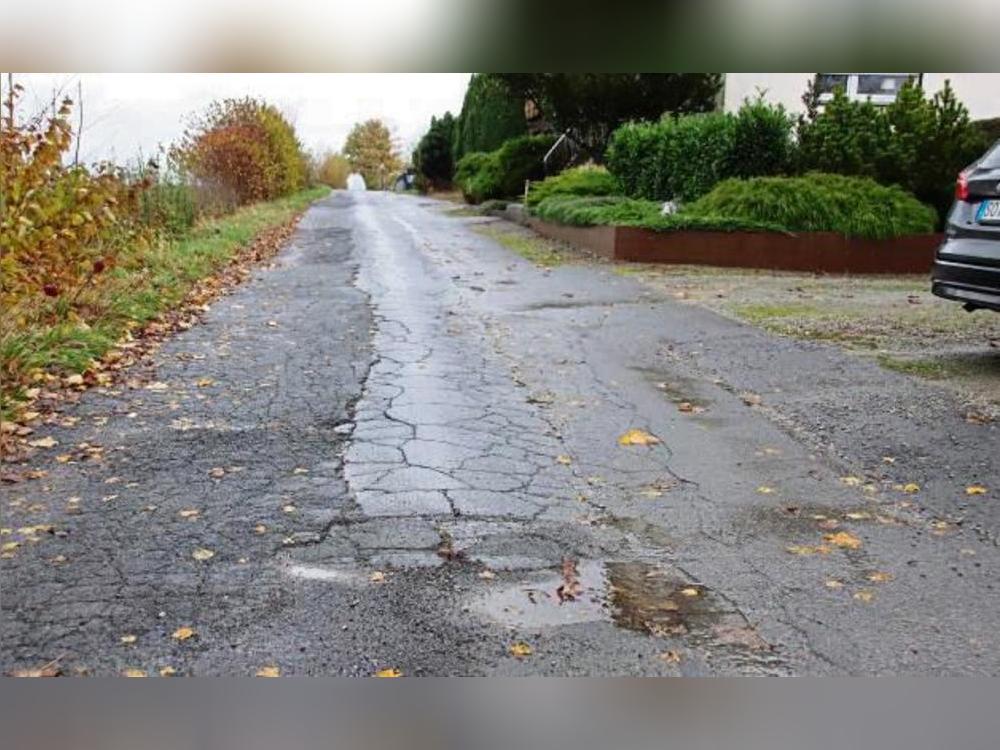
(332, 169)
(170, 206)
(584, 180)
(60, 224)
(681, 158)
(916, 142)
(240, 151)
(502, 173)
(816, 202)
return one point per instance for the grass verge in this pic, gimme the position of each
(531, 247)
(50, 338)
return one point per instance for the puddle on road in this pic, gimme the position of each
(635, 596)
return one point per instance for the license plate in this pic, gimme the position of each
(989, 212)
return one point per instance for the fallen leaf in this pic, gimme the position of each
(888, 460)
(833, 583)
(864, 595)
(201, 554)
(843, 539)
(806, 550)
(260, 529)
(910, 488)
(765, 490)
(851, 481)
(271, 671)
(132, 672)
(389, 672)
(182, 634)
(487, 575)
(157, 386)
(289, 508)
(300, 470)
(857, 516)
(9, 546)
(880, 576)
(75, 379)
(167, 671)
(377, 577)
(189, 513)
(64, 458)
(690, 591)
(564, 460)
(218, 472)
(520, 649)
(128, 639)
(204, 382)
(45, 442)
(51, 669)
(638, 437)
(670, 657)
(975, 489)
(751, 399)
(570, 588)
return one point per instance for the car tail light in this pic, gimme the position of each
(962, 187)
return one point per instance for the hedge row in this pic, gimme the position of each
(585, 180)
(502, 173)
(853, 206)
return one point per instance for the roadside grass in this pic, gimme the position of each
(529, 246)
(47, 337)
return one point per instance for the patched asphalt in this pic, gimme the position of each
(398, 436)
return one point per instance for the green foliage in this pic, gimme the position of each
(432, 157)
(370, 151)
(916, 142)
(502, 173)
(990, 130)
(590, 106)
(585, 180)
(816, 202)
(681, 158)
(490, 115)
(852, 206)
(617, 210)
(170, 206)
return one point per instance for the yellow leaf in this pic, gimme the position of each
(690, 591)
(911, 488)
(182, 634)
(300, 470)
(377, 577)
(131, 672)
(833, 583)
(564, 460)
(843, 539)
(857, 516)
(204, 382)
(167, 671)
(864, 595)
(218, 472)
(201, 554)
(638, 437)
(805, 550)
(880, 576)
(487, 575)
(260, 529)
(389, 672)
(520, 649)
(64, 458)
(765, 490)
(975, 489)
(289, 508)
(670, 657)
(269, 672)
(850, 481)
(129, 638)
(9, 546)
(190, 513)
(45, 442)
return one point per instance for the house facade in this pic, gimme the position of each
(980, 92)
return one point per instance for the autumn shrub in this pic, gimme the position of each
(239, 151)
(332, 169)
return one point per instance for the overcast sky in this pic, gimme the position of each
(129, 114)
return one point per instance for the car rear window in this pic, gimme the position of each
(992, 158)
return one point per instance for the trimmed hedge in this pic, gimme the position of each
(501, 173)
(853, 206)
(684, 157)
(585, 180)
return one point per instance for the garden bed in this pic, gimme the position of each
(815, 252)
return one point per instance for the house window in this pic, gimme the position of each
(878, 88)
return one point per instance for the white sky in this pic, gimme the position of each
(129, 114)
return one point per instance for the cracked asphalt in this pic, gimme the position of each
(401, 444)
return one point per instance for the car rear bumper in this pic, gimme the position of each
(972, 276)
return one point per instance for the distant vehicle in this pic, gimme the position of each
(967, 266)
(356, 182)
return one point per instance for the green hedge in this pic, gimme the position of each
(501, 173)
(585, 180)
(852, 206)
(684, 157)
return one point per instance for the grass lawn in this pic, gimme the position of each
(48, 337)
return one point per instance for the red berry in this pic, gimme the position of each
(51, 290)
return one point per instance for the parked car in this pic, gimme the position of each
(967, 265)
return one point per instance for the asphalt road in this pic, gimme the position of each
(402, 444)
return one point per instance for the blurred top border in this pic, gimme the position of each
(495, 35)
